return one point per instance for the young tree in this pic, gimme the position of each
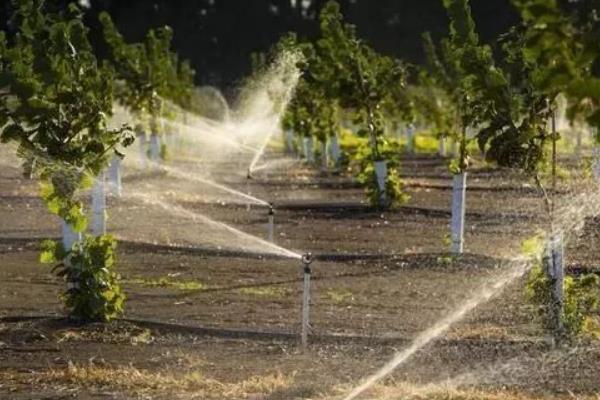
(515, 97)
(55, 102)
(360, 79)
(147, 75)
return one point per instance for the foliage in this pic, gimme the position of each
(93, 292)
(581, 296)
(148, 72)
(368, 178)
(56, 100)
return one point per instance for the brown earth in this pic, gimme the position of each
(212, 314)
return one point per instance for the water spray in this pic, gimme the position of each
(307, 260)
(271, 223)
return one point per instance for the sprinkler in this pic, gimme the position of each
(307, 260)
(271, 224)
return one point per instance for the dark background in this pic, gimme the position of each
(218, 36)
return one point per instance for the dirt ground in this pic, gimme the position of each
(213, 313)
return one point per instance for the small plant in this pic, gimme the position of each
(368, 178)
(266, 291)
(168, 282)
(340, 296)
(93, 292)
(581, 294)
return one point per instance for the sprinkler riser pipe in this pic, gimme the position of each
(68, 236)
(271, 223)
(335, 150)
(114, 176)
(381, 173)
(555, 273)
(307, 271)
(99, 206)
(457, 224)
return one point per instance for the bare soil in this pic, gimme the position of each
(215, 315)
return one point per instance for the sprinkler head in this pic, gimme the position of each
(307, 259)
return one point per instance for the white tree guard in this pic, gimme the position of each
(442, 148)
(99, 206)
(578, 143)
(155, 148)
(307, 143)
(289, 140)
(457, 225)
(114, 177)
(69, 236)
(596, 162)
(454, 148)
(410, 138)
(335, 150)
(324, 156)
(381, 173)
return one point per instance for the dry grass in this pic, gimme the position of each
(405, 391)
(265, 291)
(131, 380)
